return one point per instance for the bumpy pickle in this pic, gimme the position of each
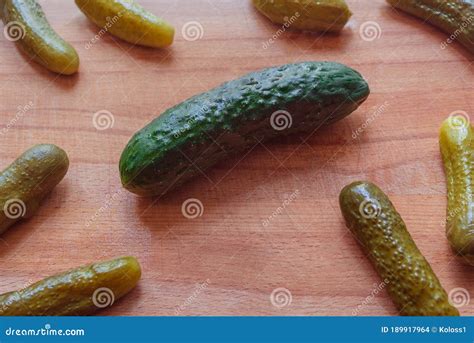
(78, 292)
(456, 142)
(410, 281)
(310, 15)
(26, 24)
(455, 17)
(129, 21)
(28, 180)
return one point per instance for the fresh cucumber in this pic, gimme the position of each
(191, 137)
(408, 277)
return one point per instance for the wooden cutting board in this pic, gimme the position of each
(229, 260)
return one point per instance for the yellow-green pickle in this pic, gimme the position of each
(78, 292)
(455, 17)
(129, 21)
(30, 178)
(26, 24)
(409, 279)
(456, 142)
(309, 15)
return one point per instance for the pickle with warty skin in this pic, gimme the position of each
(307, 15)
(456, 142)
(29, 179)
(129, 21)
(26, 24)
(455, 17)
(78, 292)
(377, 226)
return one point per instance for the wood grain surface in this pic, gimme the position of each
(229, 260)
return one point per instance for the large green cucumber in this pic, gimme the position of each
(191, 137)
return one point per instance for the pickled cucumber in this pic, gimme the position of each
(410, 281)
(26, 24)
(81, 291)
(129, 21)
(455, 17)
(310, 15)
(28, 180)
(456, 142)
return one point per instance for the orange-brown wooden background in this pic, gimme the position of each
(236, 260)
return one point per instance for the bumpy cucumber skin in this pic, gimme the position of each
(456, 142)
(410, 281)
(310, 15)
(132, 22)
(40, 42)
(191, 137)
(28, 180)
(455, 17)
(71, 293)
